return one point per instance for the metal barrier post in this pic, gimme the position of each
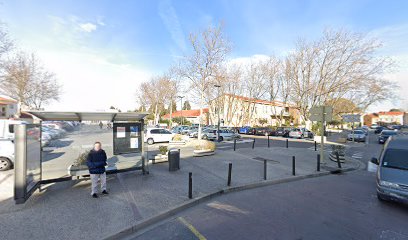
(318, 162)
(315, 145)
(235, 143)
(229, 174)
(268, 141)
(338, 160)
(265, 169)
(293, 165)
(190, 185)
(253, 144)
(287, 143)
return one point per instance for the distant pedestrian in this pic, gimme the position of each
(100, 125)
(96, 162)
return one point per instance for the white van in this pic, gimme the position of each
(7, 143)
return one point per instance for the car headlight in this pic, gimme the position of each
(388, 184)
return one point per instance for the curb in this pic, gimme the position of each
(183, 206)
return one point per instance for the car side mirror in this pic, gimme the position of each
(374, 160)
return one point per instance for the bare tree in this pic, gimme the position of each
(337, 66)
(209, 50)
(6, 45)
(27, 81)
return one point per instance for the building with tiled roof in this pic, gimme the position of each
(191, 115)
(8, 107)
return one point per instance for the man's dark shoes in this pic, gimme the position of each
(94, 195)
(104, 192)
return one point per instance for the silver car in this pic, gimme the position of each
(357, 136)
(392, 171)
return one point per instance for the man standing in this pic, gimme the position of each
(96, 163)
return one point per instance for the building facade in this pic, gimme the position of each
(8, 107)
(237, 111)
(384, 118)
(192, 116)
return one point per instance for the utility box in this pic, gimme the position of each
(174, 159)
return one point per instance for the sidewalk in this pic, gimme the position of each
(66, 210)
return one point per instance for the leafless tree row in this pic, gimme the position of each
(23, 77)
(341, 69)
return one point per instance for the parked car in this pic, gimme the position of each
(206, 132)
(154, 135)
(179, 129)
(379, 129)
(224, 135)
(392, 170)
(357, 136)
(264, 131)
(362, 129)
(6, 154)
(244, 130)
(301, 133)
(283, 131)
(384, 135)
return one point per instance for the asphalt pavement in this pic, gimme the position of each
(332, 207)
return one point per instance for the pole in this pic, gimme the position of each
(190, 185)
(253, 144)
(264, 169)
(338, 159)
(268, 141)
(181, 113)
(322, 135)
(229, 174)
(287, 143)
(171, 112)
(293, 165)
(315, 145)
(318, 162)
(235, 143)
(218, 108)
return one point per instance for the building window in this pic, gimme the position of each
(11, 106)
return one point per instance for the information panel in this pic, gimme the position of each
(127, 138)
(33, 156)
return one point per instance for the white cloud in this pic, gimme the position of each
(170, 19)
(88, 27)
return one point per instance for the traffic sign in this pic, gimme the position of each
(350, 118)
(316, 113)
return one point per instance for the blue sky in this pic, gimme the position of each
(115, 45)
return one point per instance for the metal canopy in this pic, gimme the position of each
(89, 116)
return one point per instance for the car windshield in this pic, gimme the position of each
(396, 158)
(358, 132)
(388, 133)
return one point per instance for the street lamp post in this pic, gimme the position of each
(218, 108)
(181, 114)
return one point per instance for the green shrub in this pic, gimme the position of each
(81, 159)
(163, 150)
(204, 145)
(177, 137)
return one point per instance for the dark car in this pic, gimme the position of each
(379, 129)
(264, 131)
(385, 134)
(283, 131)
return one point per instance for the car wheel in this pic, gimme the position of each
(381, 198)
(221, 139)
(5, 164)
(150, 141)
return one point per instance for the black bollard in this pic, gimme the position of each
(315, 146)
(268, 141)
(229, 174)
(318, 162)
(264, 169)
(287, 143)
(293, 165)
(235, 143)
(253, 144)
(338, 160)
(190, 185)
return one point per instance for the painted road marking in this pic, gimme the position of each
(192, 229)
(357, 155)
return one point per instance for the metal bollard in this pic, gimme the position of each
(318, 162)
(268, 141)
(338, 160)
(229, 174)
(190, 185)
(235, 143)
(253, 144)
(265, 169)
(315, 146)
(293, 165)
(287, 143)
